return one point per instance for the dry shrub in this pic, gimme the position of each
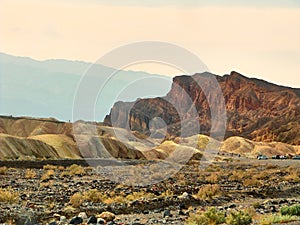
(139, 195)
(49, 167)
(73, 170)
(76, 200)
(292, 177)
(236, 176)
(209, 191)
(251, 182)
(49, 174)
(47, 184)
(271, 166)
(213, 178)
(3, 170)
(181, 180)
(8, 195)
(30, 174)
(167, 193)
(61, 168)
(94, 195)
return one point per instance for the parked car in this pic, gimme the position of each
(296, 157)
(276, 157)
(283, 157)
(262, 157)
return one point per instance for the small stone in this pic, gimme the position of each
(232, 206)
(53, 223)
(181, 213)
(76, 220)
(101, 221)
(184, 195)
(26, 220)
(92, 220)
(63, 219)
(107, 216)
(167, 213)
(82, 215)
(110, 223)
(56, 215)
(137, 223)
(182, 206)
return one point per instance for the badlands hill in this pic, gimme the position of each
(256, 109)
(30, 138)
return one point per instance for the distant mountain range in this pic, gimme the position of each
(47, 88)
(256, 109)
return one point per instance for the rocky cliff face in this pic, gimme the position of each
(255, 109)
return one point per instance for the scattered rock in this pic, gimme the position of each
(82, 215)
(167, 213)
(76, 220)
(107, 216)
(92, 220)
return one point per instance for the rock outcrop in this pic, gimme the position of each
(256, 109)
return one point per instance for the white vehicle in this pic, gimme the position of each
(262, 157)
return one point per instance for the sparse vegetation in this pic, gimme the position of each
(209, 191)
(49, 174)
(94, 195)
(209, 217)
(236, 176)
(256, 205)
(251, 182)
(293, 210)
(46, 184)
(73, 170)
(274, 219)
(213, 178)
(76, 200)
(8, 195)
(293, 176)
(49, 167)
(3, 170)
(139, 195)
(213, 183)
(214, 217)
(239, 218)
(30, 174)
(167, 193)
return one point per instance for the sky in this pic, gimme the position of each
(258, 39)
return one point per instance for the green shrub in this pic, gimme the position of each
(214, 216)
(273, 219)
(293, 210)
(256, 205)
(239, 218)
(209, 217)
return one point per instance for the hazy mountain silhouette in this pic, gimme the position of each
(47, 88)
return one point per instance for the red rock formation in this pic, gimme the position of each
(256, 109)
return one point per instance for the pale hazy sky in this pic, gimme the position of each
(259, 39)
